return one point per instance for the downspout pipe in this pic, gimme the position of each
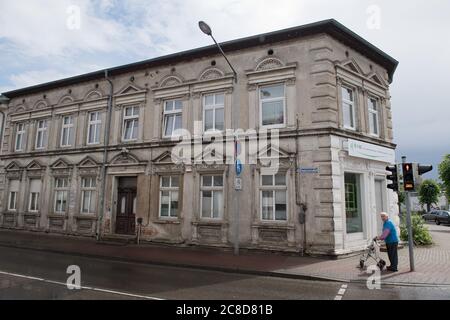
(105, 157)
(301, 205)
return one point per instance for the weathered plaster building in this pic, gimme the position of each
(68, 143)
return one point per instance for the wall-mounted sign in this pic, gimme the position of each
(238, 167)
(370, 151)
(308, 170)
(237, 184)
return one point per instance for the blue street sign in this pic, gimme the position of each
(308, 170)
(238, 167)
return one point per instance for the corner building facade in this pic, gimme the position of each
(323, 88)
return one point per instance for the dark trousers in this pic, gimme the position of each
(392, 254)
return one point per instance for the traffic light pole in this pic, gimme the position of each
(409, 227)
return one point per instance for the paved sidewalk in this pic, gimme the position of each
(432, 263)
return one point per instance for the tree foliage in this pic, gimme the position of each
(444, 174)
(429, 193)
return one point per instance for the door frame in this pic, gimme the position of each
(114, 195)
(130, 203)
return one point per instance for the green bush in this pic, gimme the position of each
(421, 234)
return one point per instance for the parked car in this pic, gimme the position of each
(431, 216)
(443, 217)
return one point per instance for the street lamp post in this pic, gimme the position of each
(238, 165)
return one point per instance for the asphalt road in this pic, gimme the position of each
(31, 274)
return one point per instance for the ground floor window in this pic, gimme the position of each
(35, 189)
(212, 196)
(13, 192)
(168, 196)
(61, 194)
(88, 195)
(273, 197)
(353, 208)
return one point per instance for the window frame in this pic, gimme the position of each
(213, 189)
(20, 133)
(174, 113)
(134, 118)
(44, 132)
(273, 188)
(91, 189)
(70, 129)
(64, 190)
(261, 101)
(350, 103)
(376, 112)
(359, 200)
(214, 107)
(15, 200)
(36, 202)
(97, 124)
(169, 189)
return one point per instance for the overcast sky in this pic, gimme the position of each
(41, 40)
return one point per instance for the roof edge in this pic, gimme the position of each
(329, 26)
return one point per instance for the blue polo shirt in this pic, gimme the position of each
(392, 237)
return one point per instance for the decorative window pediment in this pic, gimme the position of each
(376, 78)
(34, 165)
(211, 155)
(130, 94)
(130, 88)
(19, 108)
(41, 104)
(125, 157)
(67, 99)
(35, 169)
(271, 69)
(271, 151)
(13, 170)
(60, 164)
(211, 74)
(13, 166)
(268, 63)
(170, 81)
(353, 66)
(88, 162)
(88, 167)
(166, 162)
(166, 158)
(273, 158)
(93, 95)
(61, 168)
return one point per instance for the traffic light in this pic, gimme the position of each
(421, 169)
(393, 177)
(408, 176)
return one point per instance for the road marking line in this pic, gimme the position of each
(341, 292)
(21, 276)
(81, 287)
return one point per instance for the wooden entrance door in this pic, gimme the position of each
(126, 211)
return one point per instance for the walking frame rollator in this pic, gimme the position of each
(372, 252)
